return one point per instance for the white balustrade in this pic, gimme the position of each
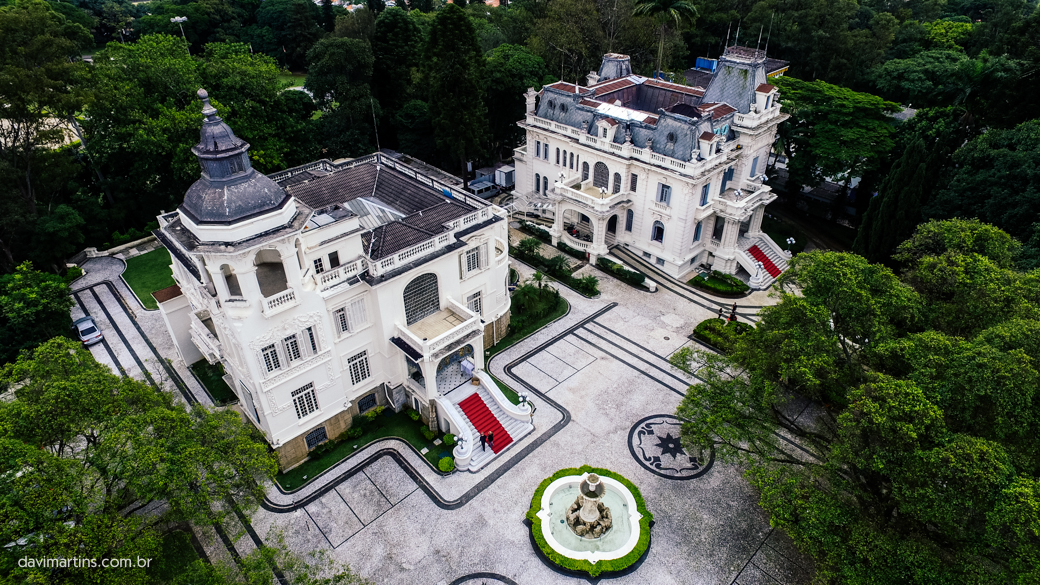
(279, 302)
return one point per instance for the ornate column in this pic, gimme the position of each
(557, 226)
(530, 95)
(755, 226)
(726, 255)
(599, 239)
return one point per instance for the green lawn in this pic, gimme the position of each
(516, 335)
(290, 79)
(388, 424)
(212, 377)
(510, 394)
(779, 230)
(148, 273)
(177, 556)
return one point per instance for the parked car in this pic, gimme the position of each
(88, 330)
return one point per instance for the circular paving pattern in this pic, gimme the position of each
(483, 579)
(654, 443)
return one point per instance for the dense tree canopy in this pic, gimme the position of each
(34, 306)
(914, 399)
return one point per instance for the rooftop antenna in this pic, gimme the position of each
(728, 28)
(736, 39)
(374, 123)
(759, 45)
(768, 34)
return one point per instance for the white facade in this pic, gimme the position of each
(681, 186)
(304, 316)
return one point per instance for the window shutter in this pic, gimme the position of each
(484, 256)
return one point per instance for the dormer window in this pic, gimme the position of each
(604, 132)
(235, 164)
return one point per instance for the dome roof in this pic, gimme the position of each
(229, 190)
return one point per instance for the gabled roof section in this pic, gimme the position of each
(765, 88)
(675, 87)
(391, 238)
(567, 87)
(709, 136)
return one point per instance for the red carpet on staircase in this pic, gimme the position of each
(759, 255)
(482, 418)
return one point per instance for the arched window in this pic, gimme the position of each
(584, 171)
(565, 158)
(571, 166)
(537, 182)
(557, 156)
(657, 233)
(545, 184)
(617, 182)
(421, 298)
(600, 176)
(629, 216)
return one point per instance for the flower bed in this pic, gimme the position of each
(535, 230)
(556, 267)
(719, 283)
(719, 333)
(604, 566)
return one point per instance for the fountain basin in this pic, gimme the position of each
(619, 547)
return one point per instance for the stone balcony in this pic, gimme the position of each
(756, 119)
(739, 203)
(442, 332)
(590, 197)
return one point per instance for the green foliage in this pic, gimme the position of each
(414, 414)
(397, 49)
(569, 38)
(719, 333)
(446, 464)
(339, 76)
(428, 433)
(454, 69)
(531, 303)
(287, 30)
(449, 439)
(676, 11)
(99, 447)
(621, 273)
(72, 274)
(593, 569)
(511, 70)
(148, 273)
(415, 130)
(34, 306)
(923, 417)
(572, 252)
(719, 283)
(833, 131)
(535, 230)
(212, 377)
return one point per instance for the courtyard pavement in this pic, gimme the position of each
(605, 396)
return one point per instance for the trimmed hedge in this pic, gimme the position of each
(717, 282)
(621, 273)
(570, 251)
(446, 464)
(534, 230)
(593, 569)
(557, 268)
(720, 333)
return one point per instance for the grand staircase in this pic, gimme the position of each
(483, 415)
(760, 251)
(767, 262)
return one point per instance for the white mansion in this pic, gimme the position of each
(328, 289)
(672, 172)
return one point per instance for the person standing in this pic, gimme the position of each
(491, 440)
(483, 442)
(721, 314)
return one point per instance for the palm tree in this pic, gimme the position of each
(661, 10)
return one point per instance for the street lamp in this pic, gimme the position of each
(790, 242)
(180, 20)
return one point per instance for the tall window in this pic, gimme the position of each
(545, 184)
(584, 171)
(304, 400)
(545, 151)
(664, 194)
(319, 266)
(352, 317)
(271, 361)
(421, 298)
(538, 148)
(617, 182)
(310, 340)
(358, 366)
(604, 132)
(704, 194)
(474, 303)
(565, 158)
(600, 176)
(292, 348)
(629, 217)
(571, 166)
(754, 166)
(697, 232)
(557, 156)
(333, 260)
(472, 260)
(657, 233)
(633, 182)
(537, 182)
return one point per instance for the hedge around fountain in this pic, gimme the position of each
(605, 566)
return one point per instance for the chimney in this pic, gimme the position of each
(614, 66)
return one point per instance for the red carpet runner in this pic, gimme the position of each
(759, 255)
(482, 418)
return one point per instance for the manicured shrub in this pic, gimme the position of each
(414, 414)
(428, 433)
(586, 285)
(717, 282)
(534, 230)
(720, 333)
(446, 464)
(449, 439)
(563, 247)
(621, 273)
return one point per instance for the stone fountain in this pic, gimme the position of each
(588, 517)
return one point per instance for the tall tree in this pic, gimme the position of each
(918, 435)
(41, 87)
(339, 76)
(34, 306)
(454, 70)
(511, 70)
(397, 49)
(569, 38)
(833, 131)
(295, 26)
(665, 11)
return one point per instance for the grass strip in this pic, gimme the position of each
(212, 377)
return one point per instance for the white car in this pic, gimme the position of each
(88, 330)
